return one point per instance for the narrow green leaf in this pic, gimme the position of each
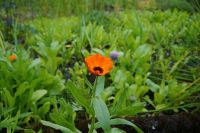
(148, 100)
(44, 109)
(117, 130)
(175, 66)
(100, 85)
(8, 123)
(88, 83)
(34, 63)
(120, 121)
(79, 97)
(119, 101)
(142, 51)
(25, 114)
(102, 113)
(152, 86)
(21, 89)
(130, 110)
(10, 98)
(56, 126)
(38, 94)
(6, 111)
(96, 50)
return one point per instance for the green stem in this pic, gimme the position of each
(93, 115)
(92, 124)
(95, 85)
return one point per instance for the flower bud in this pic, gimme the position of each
(115, 54)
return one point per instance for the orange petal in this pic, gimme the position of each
(97, 60)
(12, 57)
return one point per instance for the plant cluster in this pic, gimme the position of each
(63, 69)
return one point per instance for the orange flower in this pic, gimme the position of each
(98, 64)
(12, 57)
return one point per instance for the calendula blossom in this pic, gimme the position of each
(98, 64)
(12, 57)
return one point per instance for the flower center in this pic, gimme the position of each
(98, 70)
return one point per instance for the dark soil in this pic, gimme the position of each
(177, 123)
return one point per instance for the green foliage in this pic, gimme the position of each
(56, 126)
(63, 115)
(78, 97)
(179, 4)
(102, 113)
(48, 82)
(24, 85)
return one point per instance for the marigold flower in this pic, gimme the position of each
(12, 57)
(98, 64)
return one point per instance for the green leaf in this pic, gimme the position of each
(102, 113)
(96, 50)
(175, 66)
(44, 109)
(99, 85)
(6, 111)
(10, 98)
(108, 92)
(117, 130)
(142, 51)
(161, 106)
(78, 97)
(10, 122)
(25, 114)
(120, 121)
(120, 100)
(148, 100)
(130, 110)
(152, 86)
(22, 88)
(60, 118)
(119, 76)
(88, 83)
(34, 63)
(56, 126)
(63, 115)
(38, 94)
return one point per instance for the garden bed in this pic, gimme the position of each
(176, 123)
(162, 123)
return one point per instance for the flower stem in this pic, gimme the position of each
(94, 88)
(92, 124)
(93, 115)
